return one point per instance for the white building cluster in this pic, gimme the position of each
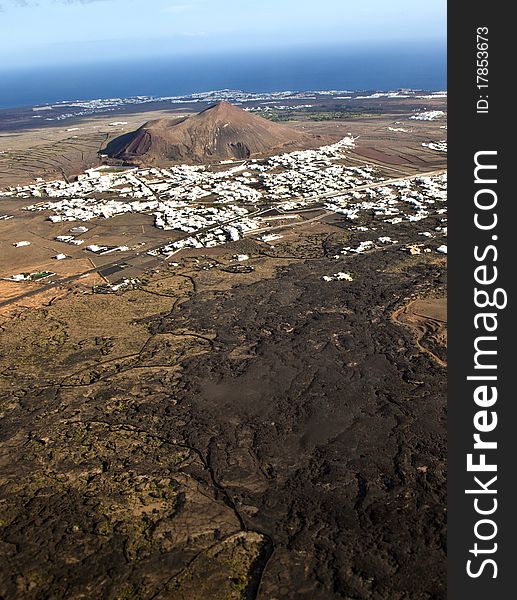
(217, 204)
(104, 193)
(170, 194)
(313, 181)
(438, 146)
(428, 115)
(341, 276)
(406, 200)
(194, 218)
(311, 173)
(230, 232)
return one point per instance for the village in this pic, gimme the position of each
(216, 204)
(65, 110)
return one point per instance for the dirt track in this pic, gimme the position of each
(428, 320)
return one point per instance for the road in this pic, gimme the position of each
(127, 259)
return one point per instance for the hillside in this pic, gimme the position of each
(221, 132)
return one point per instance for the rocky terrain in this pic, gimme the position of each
(228, 433)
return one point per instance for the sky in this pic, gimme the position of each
(38, 33)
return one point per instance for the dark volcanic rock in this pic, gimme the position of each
(279, 440)
(330, 439)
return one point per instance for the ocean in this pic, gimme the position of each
(417, 66)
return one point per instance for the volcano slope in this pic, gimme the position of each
(229, 436)
(221, 132)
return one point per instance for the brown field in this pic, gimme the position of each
(53, 152)
(427, 318)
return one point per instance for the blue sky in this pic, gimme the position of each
(52, 32)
